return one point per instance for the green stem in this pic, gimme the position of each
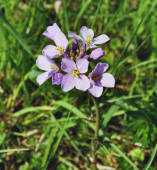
(96, 135)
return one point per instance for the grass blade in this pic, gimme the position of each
(32, 109)
(83, 9)
(16, 35)
(151, 158)
(13, 150)
(123, 155)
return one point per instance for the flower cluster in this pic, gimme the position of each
(73, 70)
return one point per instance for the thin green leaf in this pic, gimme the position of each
(32, 109)
(151, 158)
(83, 9)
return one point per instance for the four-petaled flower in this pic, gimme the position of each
(99, 79)
(47, 65)
(87, 37)
(75, 76)
(54, 33)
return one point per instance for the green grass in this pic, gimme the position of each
(41, 127)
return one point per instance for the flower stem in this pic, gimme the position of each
(96, 135)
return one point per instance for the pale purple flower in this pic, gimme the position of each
(54, 33)
(75, 76)
(46, 65)
(87, 36)
(99, 79)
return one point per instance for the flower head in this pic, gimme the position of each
(54, 33)
(99, 79)
(75, 76)
(46, 65)
(87, 36)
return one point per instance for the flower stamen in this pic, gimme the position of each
(88, 39)
(53, 67)
(76, 73)
(60, 50)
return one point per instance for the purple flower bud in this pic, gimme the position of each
(79, 57)
(72, 52)
(82, 49)
(74, 44)
(65, 55)
(97, 53)
(86, 57)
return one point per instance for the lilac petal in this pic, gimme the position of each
(61, 40)
(77, 37)
(99, 69)
(86, 32)
(43, 77)
(50, 51)
(51, 31)
(82, 65)
(67, 82)
(86, 57)
(57, 78)
(101, 39)
(108, 80)
(44, 63)
(96, 91)
(68, 65)
(91, 46)
(82, 83)
(97, 53)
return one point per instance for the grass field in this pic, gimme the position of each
(42, 127)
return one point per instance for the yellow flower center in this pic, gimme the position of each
(88, 39)
(75, 73)
(53, 67)
(60, 50)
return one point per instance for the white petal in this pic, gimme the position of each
(61, 40)
(96, 91)
(68, 65)
(67, 82)
(86, 32)
(43, 77)
(44, 63)
(50, 51)
(108, 80)
(91, 46)
(82, 83)
(82, 65)
(101, 39)
(77, 37)
(51, 31)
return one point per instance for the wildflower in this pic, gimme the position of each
(46, 65)
(87, 37)
(54, 33)
(74, 76)
(99, 79)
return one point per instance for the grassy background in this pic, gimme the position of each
(45, 128)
